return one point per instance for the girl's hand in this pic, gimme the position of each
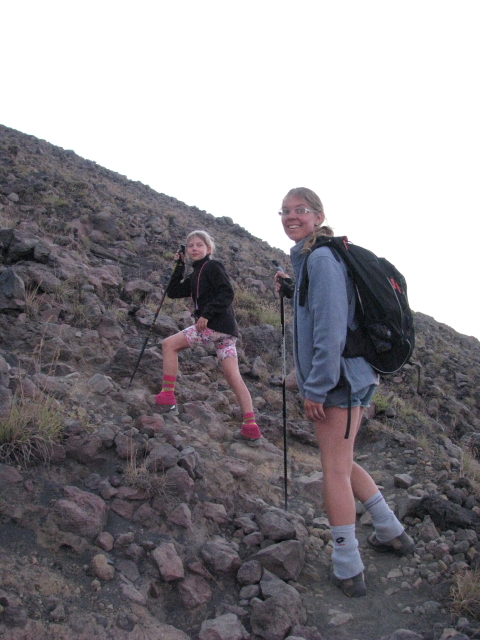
(201, 324)
(179, 256)
(314, 410)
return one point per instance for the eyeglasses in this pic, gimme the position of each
(299, 211)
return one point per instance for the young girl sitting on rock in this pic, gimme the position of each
(212, 295)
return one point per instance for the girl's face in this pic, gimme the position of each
(298, 218)
(196, 249)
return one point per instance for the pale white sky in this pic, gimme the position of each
(224, 105)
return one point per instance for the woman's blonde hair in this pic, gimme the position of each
(203, 235)
(316, 205)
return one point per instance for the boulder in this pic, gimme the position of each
(225, 627)
(194, 591)
(273, 618)
(276, 528)
(285, 559)
(82, 513)
(162, 457)
(168, 562)
(220, 556)
(12, 291)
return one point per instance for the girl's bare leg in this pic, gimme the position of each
(235, 381)
(171, 347)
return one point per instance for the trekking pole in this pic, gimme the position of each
(284, 388)
(177, 262)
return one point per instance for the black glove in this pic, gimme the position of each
(287, 288)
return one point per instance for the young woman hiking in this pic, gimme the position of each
(212, 295)
(320, 329)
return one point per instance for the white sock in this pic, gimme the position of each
(346, 557)
(386, 524)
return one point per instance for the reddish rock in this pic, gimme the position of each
(215, 512)
(181, 515)
(80, 512)
(105, 541)
(150, 425)
(224, 627)
(84, 448)
(122, 508)
(101, 568)
(179, 483)
(145, 516)
(9, 475)
(168, 561)
(220, 556)
(194, 591)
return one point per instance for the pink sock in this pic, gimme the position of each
(168, 383)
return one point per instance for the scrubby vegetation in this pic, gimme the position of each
(30, 428)
(465, 594)
(250, 309)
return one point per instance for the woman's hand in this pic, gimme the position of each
(201, 324)
(279, 276)
(314, 410)
(284, 284)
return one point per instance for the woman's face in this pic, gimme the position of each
(196, 249)
(298, 218)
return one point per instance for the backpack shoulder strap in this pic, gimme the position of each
(333, 243)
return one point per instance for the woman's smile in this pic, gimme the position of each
(298, 219)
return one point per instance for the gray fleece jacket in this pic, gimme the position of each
(320, 326)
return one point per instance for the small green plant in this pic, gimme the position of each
(8, 220)
(250, 310)
(30, 428)
(174, 306)
(60, 202)
(408, 412)
(465, 594)
(470, 469)
(54, 200)
(423, 442)
(70, 294)
(32, 301)
(382, 403)
(405, 412)
(141, 478)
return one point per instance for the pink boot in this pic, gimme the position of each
(166, 395)
(250, 428)
(165, 398)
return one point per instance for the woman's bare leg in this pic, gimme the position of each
(343, 479)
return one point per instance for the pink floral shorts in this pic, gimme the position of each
(223, 342)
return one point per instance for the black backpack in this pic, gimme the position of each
(385, 335)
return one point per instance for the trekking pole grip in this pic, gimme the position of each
(287, 286)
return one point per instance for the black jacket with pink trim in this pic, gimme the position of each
(211, 291)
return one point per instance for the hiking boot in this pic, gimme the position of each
(351, 587)
(252, 442)
(400, 546)
(166, 398)
(167, 410)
